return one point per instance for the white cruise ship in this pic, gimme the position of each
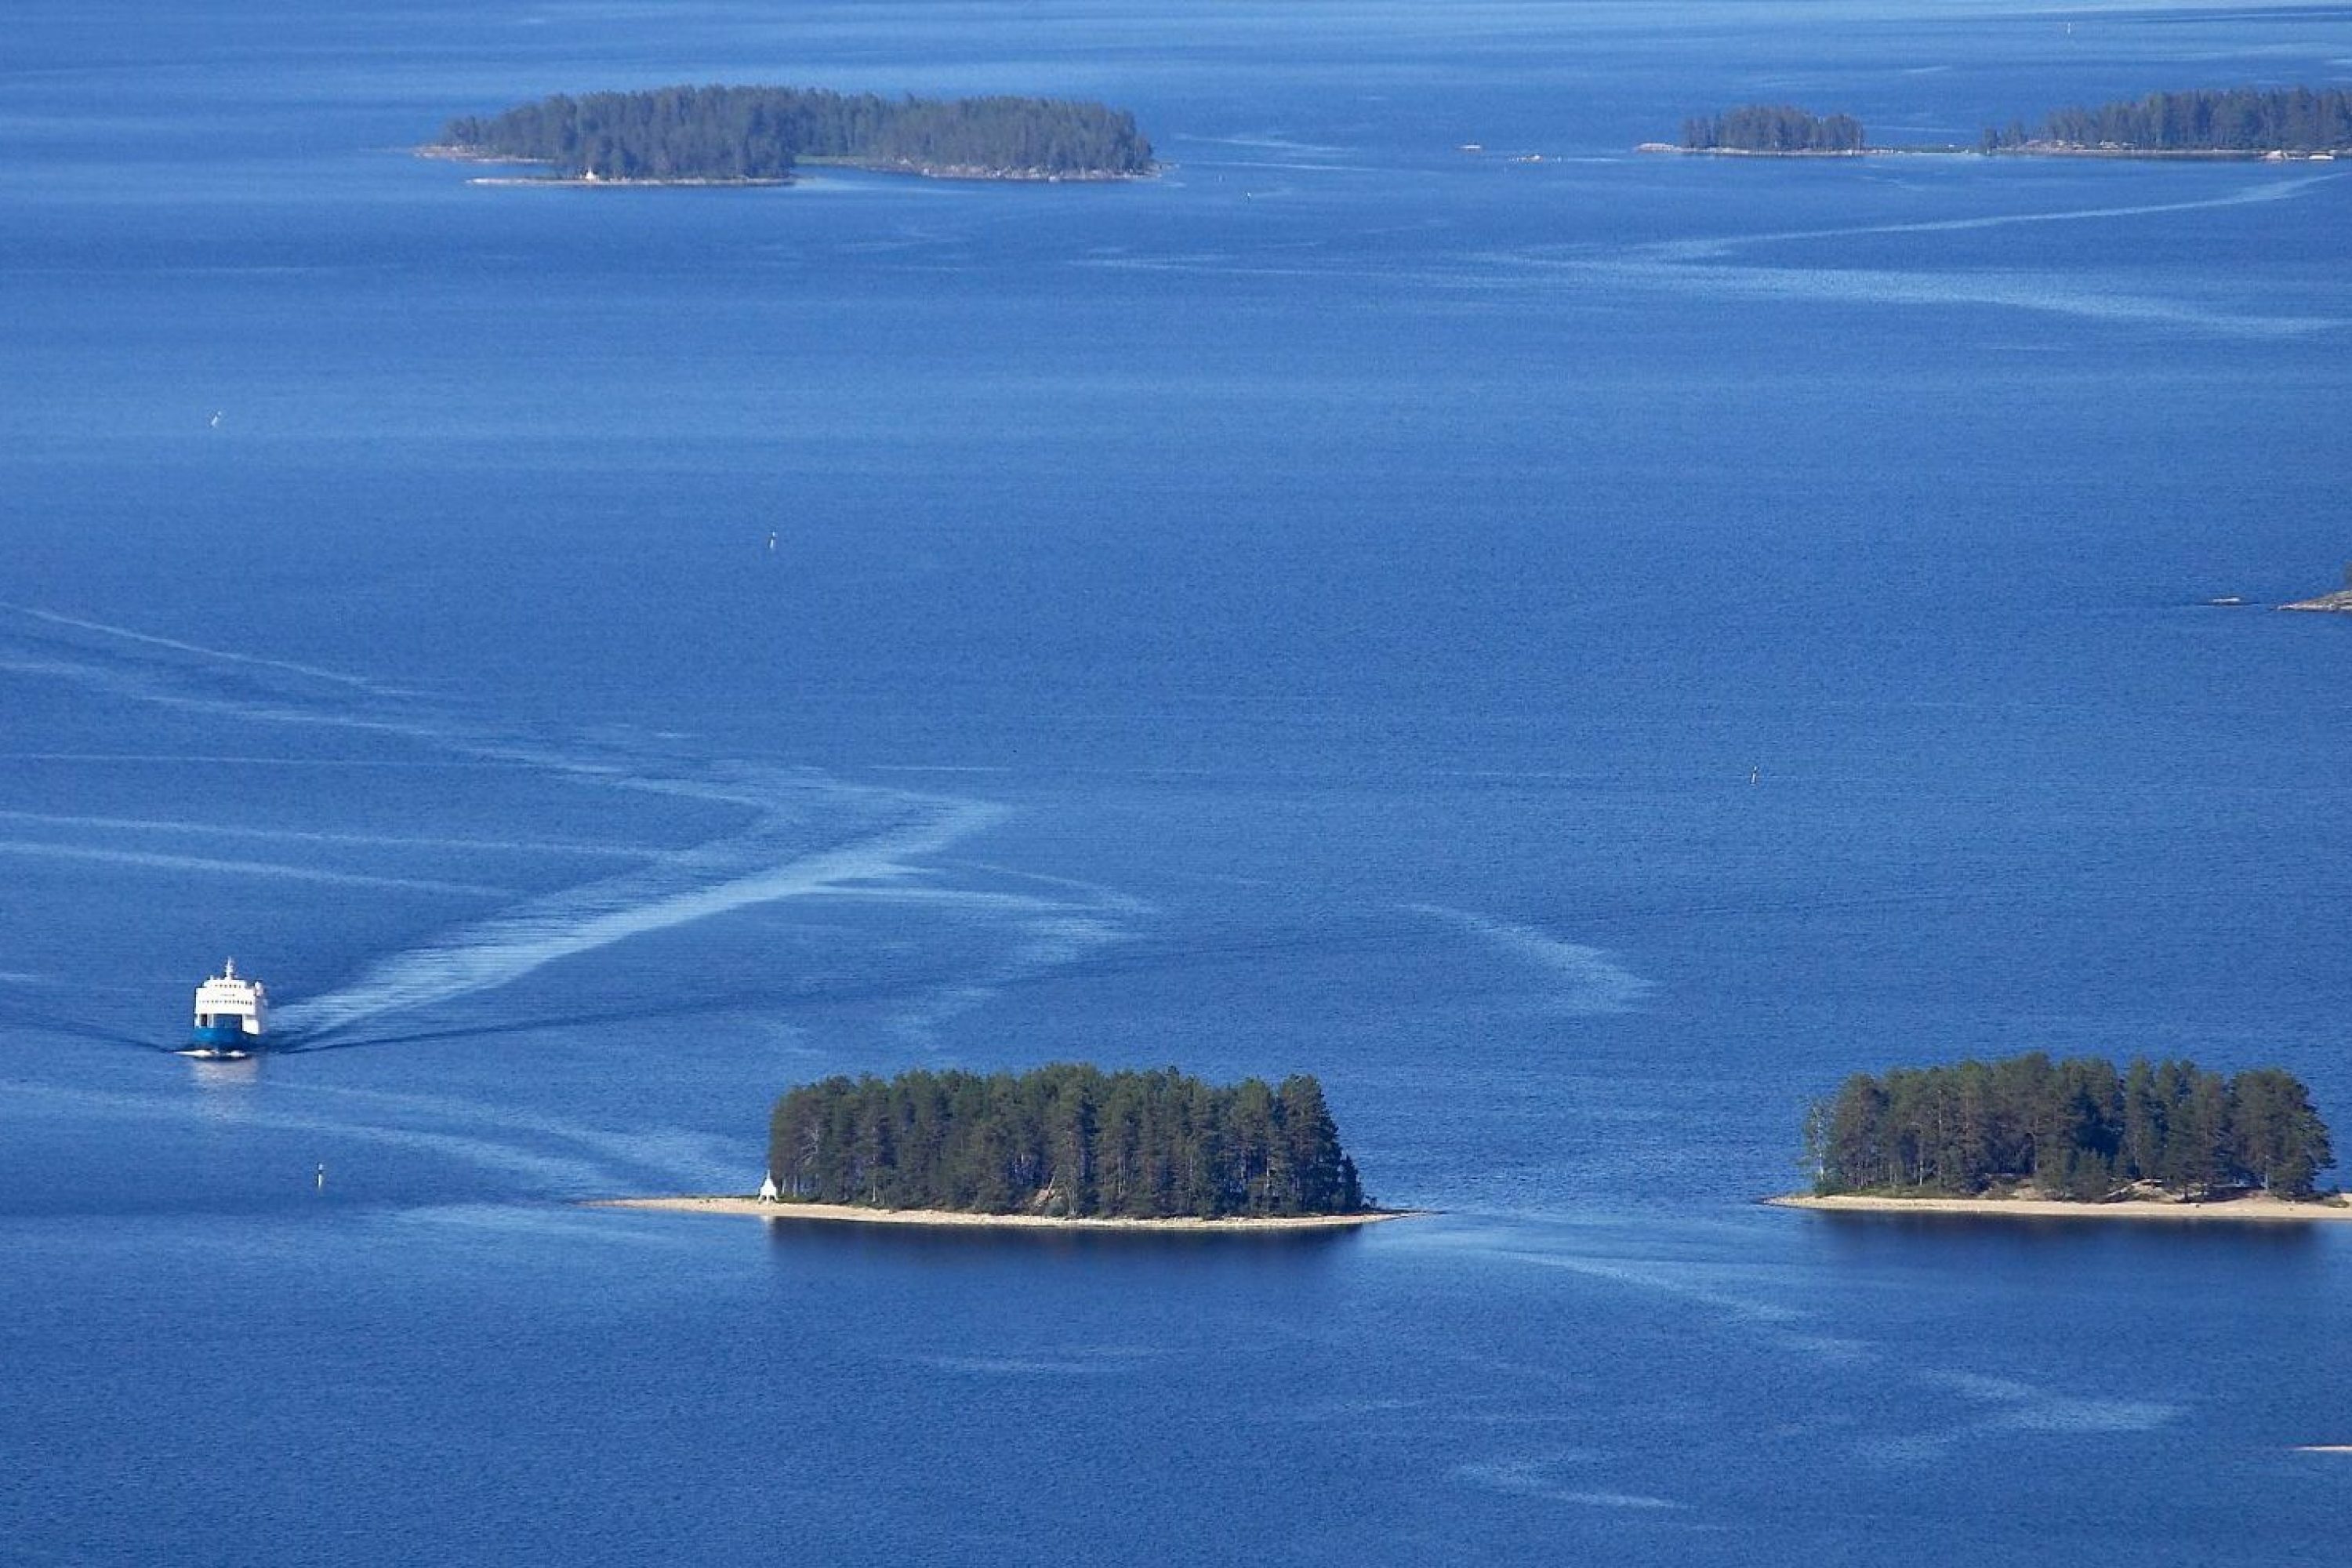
(231, 1013)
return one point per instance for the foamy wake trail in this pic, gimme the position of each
(34, 850)
(1720, 265)
(768, 862)
(806, 836)
(124, 634)
(1699, 249)
(1588, 979)
(168, 673)
(2050, 293)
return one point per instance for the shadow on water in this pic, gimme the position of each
(968, 1243)
(2037, 1237)
(304, 1041)
(882, 989)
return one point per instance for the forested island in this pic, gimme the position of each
(1064, 1142)
(2076, 1131)
(1773, 128)
(2239, 121)
(679, 135)
(2231, 123)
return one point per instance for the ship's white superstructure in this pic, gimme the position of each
(231, 1014)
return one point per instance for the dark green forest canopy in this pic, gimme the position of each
(2245, 120)
(1066, 1140)
(759, 133)
(1773, 128)
(2231, 120)
(2073, 1128)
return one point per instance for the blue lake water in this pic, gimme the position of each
(1315, 611)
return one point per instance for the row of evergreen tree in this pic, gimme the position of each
(2234, 120)
(1773, 128)
(1064, 1140)
(2073, 1128)
(758, 132)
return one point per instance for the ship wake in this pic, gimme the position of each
(879, 856)
(793, 833)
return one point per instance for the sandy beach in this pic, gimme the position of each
(850, 1214)
(2257, 1209)
(601, 183)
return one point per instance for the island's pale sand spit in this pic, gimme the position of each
(2257, 1208)
(849, 1213)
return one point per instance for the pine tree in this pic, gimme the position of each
(1066, 1139)
(2076, 1129)
(1311, 1146)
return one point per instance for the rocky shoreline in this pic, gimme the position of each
(762, 1208)
(2040, 150)
(448, 153)
(2256, 1208)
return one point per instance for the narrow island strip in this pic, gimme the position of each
(2031, 1138)
(2275, 124)
(1067, 1146)
(2254, 1207)
(761, 135)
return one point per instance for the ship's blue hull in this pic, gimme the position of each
(228, 1036)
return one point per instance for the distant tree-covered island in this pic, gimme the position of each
(1773, 128)
(2076, 1131)
(1064, 1142)
(680, 135)
(2229, 122)
(2242, 122)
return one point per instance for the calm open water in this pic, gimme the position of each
(1317, 611)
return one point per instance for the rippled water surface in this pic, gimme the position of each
(1319, 610)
